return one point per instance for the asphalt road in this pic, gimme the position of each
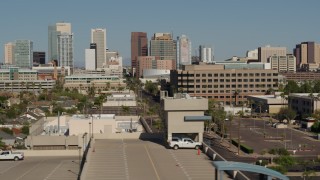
(40, 168)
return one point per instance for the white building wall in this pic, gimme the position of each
(90, 62)
(206, 54)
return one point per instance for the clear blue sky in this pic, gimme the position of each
(231, 26)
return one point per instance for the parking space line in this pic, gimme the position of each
(54, 170)
(5, 170)
(153, 166)
(29, 170)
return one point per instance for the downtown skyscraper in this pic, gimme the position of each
(164, 47)
(60, 44)
(183, 51)
(9, 53)
(98, 36)
(139, 47)
(23, 53)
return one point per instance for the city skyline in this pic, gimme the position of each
(230, 27)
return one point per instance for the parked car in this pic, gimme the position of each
(11, 155)
(184, 143)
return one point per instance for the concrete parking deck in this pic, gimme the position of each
(144, 160)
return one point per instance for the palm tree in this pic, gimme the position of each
(80, 88)
(236, 93)
(33, 85)
(151, 112)
(125, 109)
(312, 99)
(22, 84)
(40, 87)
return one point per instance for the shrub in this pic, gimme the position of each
(243, 147)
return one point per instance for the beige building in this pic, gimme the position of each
(9, 53)
(215, 82)
(98, 36)
(283, 63)
(153, 62)
(83, 82)
(265, 52)
(184, 115)
(267, 104)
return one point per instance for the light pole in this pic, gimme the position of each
(92, 127)
(90, 134)
(239, 136)
(264, 126)
(79, 148)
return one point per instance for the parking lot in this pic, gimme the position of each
(144, 160)
(40, 168)
(261, 136)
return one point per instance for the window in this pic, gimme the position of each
(204, 75)
(209, 80)
(209, 75)
(197, 75)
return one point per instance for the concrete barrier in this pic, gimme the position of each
(35, 153)
(238, 175)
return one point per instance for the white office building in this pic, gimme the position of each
(98, 36)
(23, 53)
(90, 56)
(183, 51)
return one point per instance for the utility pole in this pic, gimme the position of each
(239, 136)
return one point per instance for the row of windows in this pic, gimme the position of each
(230, 74)
(223, 91)
(230, 80)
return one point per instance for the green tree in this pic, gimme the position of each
(287, 113)
(2, 144)
(125, 109)
(306, 87)
(25, 129)
(291, 87)
(7, 130)
(150, 87)
(316, 86)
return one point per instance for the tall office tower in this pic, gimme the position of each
(183, 51)
(206, 54)
(98, 36)
(139, 47)
(23, 53)
(307, 53)
(39, 58)
(65, 50)
(265, 52)
(163, 46)
(53, 32)
(9, 53)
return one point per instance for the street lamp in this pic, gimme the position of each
(92, 126)
(90, 134)
(79, 148)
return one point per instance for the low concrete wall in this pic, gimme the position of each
(134, 135)
(238, 175)
(34, 153)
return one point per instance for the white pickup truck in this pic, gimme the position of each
(184, 143)
(11, 155)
